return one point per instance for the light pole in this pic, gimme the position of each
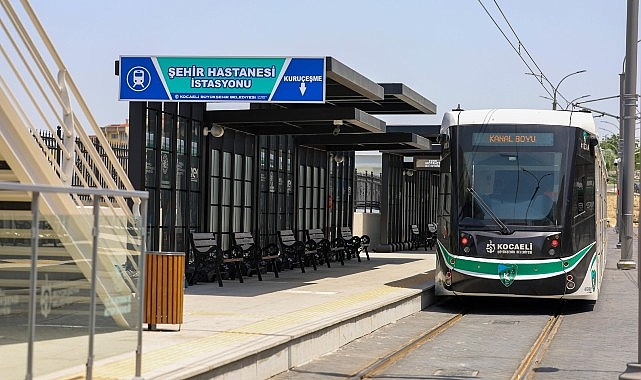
(557, 86)
(617, 163)
(627, 119)
(629, 106)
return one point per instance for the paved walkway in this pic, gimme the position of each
(257, 329)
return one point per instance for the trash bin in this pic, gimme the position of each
(164, 288)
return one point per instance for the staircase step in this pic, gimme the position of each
(15, 196)
(24, 251)
(17, 286)
(8, 176)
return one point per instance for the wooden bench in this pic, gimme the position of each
(255, 256)
(329, 250)
(296, 249)
(207, 253)
(354, 245)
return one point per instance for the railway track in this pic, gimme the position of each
(524, 370)
(485, 337)
(536, 353)
(379, 365)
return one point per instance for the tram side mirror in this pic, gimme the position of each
(593, 141)
(443, 139)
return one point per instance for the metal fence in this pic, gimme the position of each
(121, 152)
(368, 192)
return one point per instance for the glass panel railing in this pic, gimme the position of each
(86, 298)
(117, 313)
(15, 264)
(63, 295)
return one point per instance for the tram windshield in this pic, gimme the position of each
(511, 176)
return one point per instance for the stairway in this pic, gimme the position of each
(36, 95)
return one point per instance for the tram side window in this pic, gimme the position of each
(580, 195)
(445, 194)
(583, 187)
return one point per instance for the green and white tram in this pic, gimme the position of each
(522, 205)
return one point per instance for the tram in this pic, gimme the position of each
(522, 205)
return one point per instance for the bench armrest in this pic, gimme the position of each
(311, 245)
(235, 253)
(270, 251)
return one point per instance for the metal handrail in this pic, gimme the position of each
(36, 190)
(73, 189)
(59, 92)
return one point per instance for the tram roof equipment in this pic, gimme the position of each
(579, 119)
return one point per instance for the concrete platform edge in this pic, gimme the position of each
(272, 360)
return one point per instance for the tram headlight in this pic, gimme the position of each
(569, 282)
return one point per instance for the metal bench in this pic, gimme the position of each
(354, 245)
(255, 256)
(207, 253)
(418, 239)
(431, 235)
(329, 250)
(296, 249)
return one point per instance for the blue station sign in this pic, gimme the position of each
(223, 79)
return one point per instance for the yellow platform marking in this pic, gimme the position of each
(214, 343)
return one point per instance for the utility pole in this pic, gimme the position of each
(620, 153)
(633, 370)
(629, 118)
(626, 261)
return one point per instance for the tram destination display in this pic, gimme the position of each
(502, 138)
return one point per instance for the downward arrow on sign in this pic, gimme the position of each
(302, 88)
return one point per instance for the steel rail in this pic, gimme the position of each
(382, 363)
(538, 348)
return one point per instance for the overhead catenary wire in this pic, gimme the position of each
(539, 71)
(520, 42)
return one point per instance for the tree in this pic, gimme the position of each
(610, 148)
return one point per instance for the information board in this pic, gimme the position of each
(426, 163)
(223, 79)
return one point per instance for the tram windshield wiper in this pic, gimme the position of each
(536, 189)
(503, 227)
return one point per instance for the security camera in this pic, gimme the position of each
(337, 127)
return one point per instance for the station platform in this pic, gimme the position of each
(254, 330)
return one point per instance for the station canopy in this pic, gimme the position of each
(346, 121)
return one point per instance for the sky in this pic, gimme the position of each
(449, 51)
